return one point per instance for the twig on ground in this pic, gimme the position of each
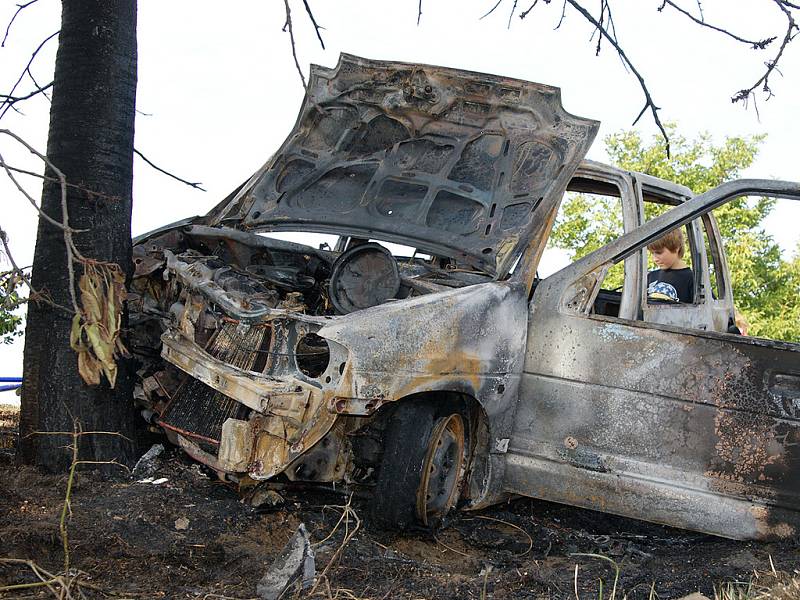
(486, 572)
(347, 513)
(60, 584)
(453, 550)
(601, 557)
(517, 527)
(76, 433)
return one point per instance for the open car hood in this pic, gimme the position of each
(456, 163)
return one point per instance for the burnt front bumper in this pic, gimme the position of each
(237, 420)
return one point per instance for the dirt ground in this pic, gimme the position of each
(192, 537)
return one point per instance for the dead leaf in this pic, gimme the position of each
(95, 333)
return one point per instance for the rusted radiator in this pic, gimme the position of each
(198, 411)
(247, 349)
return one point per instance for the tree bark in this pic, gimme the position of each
(91, 142)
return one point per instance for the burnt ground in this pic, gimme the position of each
(127, 538)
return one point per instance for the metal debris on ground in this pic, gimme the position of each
(148, 463)
(294, 563)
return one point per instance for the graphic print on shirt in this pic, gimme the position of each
(662, 291)
(670, 285)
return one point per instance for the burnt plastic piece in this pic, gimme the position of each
(364, 276)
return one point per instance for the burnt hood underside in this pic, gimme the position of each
(457, 163)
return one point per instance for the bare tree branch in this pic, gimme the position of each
(288, 25)
(419, 12)
(491, 10)
(41, 90)
(525, 12)
(649, 104)
(89, 193)
(5, 106)
(511, 14)
(314, 23)
(195, 184)
(756, 44)
(563, 15)
(30, 198)
(73, 254)
(36, 83)
(791, 33)
(700, 10)
(20, 271)
(20, 8)
(603, 7)
(605, 28)
(10, 100)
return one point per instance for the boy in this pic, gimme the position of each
(673, 281)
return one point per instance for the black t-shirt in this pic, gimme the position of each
(670, 285)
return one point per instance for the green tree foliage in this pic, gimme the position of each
(766, 286)
(10, 301)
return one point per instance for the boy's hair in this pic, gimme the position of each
(673, 242)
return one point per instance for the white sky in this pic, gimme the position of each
(220, 87)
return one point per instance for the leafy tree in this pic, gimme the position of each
(765, 285)
(10, 301)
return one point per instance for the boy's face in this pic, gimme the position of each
(665, 258)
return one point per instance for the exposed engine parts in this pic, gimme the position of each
(364, 276)
(419, 354)
(235, 317)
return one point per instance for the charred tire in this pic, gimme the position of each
(424, 460)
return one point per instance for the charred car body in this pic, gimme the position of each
(452, 374)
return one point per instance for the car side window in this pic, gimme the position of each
(716, 268)
(591, 215)
(748, 283)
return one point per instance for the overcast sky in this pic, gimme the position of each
(219, 89)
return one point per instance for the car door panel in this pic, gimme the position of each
(675, 425)
(706, 416)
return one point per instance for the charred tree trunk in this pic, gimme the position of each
(91, 142)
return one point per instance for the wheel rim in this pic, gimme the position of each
(441, 471)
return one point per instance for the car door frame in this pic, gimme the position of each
(690, 428)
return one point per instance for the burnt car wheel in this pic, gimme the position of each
(422, 467)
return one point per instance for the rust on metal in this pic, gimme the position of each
(264, 357)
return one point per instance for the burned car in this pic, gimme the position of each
(418, 354)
